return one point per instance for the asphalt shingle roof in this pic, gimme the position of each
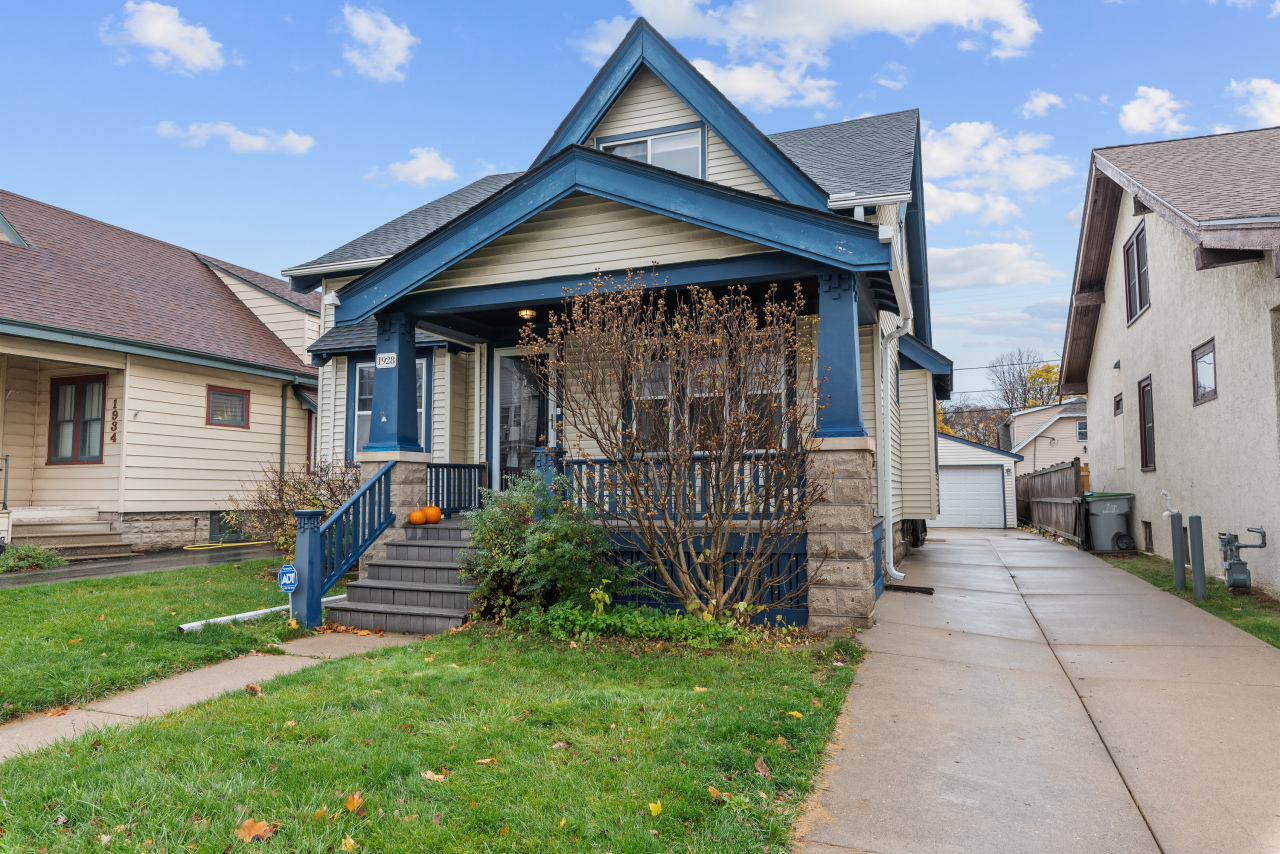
(80, 274)
(867, 156)
(359, 336)
(406, 230)
(1224, 176)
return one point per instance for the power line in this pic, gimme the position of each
(1010, 364)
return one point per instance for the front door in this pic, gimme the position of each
(522, 416)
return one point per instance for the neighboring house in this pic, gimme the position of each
(975, 485)
(1047, 435)
(652, 167)
(141, 384)
(1174, 333)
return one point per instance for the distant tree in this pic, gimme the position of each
(942, 425)
(976, 422)
(1022, 378)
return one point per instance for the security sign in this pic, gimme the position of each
(288, 578)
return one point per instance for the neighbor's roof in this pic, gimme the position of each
(870, 156)
(84, 276)
(360, 336)
(1207, 178)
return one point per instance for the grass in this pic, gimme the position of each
(75, 641)
(1255, 612)
(582, 741)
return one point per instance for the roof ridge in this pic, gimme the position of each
(1186, 138)
(915, 110)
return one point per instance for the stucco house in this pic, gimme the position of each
(141, 383)
(1174, 333)
(653, 168)
(1047, 435)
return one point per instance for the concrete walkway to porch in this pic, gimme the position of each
(187, 689)
(1045, 701)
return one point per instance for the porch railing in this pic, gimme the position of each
(455, 487)
(326, 549)
(695, 488)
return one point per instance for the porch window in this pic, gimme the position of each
(1136, 287)
(708, 402)
(680, 151)
(364, 402)
(75, 420)
(1147, 424)
(227, 407)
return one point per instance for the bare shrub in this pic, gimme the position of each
(264, 509)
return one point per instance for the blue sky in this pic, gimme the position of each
(269, 133)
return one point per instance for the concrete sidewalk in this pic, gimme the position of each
(1045, 701)
(187, 689)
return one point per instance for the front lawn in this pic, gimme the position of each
(75, 641)
(620, 746)
(1255, 612)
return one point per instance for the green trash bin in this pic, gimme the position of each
(1109, 527)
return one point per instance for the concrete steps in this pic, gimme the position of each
(74, 531)
(416, 589)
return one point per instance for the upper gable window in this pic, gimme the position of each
(1137, 291)
(680, 151)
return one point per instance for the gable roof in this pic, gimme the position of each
(999, 451)
(105, 286)
(1075, 409)
(870, 156)
(1222, 192)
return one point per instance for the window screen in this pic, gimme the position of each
(228, 407)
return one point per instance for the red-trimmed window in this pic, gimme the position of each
(227, 407)
(76, 408)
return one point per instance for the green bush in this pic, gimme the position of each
(568, 621)
(24, 557)
(531, 547)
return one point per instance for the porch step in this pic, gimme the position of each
(450, 596)
(25, 528)
(64, 540)
(409, 619)
(429, 551)
(75, 537)
(414, 572)
(446, 529)
(54, 513)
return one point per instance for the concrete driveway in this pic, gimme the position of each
(1044, 701)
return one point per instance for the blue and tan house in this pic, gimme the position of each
(141, 383)
(652, 169)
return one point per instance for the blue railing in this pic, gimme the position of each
(455, 487)
(325, 550)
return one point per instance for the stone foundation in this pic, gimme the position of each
(840, 540)
(408, 490)
(156, 531)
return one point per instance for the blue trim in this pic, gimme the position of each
(1017, 457)
(322, 358)
(7, 229)
(644, 46)
(643, 134)
(918, 252)
(923, 355)
(877, 544)
(766, 266)
(839, 357)
(495, 481)
(349, 443)
(428, 383)
(819, 236)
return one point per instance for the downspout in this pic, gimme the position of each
(886, 430)
(284, 420)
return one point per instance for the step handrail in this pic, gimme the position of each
(326, 550)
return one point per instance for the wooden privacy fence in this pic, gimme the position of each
(1047, 499)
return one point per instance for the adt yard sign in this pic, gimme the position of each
(288, 578)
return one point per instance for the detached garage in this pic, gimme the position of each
(975, 485)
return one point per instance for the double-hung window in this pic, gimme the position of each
(1136, 287)
(1082, 430)
(76, 412)
(1147, 424)
(1204, 374)
(680, 151)
(364, 402)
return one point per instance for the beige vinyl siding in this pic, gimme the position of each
(176, 461)
(479, 410)
(869, 362)
(1057, 444)
(440, 399)
(919, 473)
(76, 483)
(459, 402)
(955, 453)
(331, 427)
(19, 437)
(291, 324)
(647, 104)
(895, 423)
(582, 234)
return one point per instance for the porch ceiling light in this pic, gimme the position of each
(526, 313)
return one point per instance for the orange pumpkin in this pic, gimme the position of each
(431, 514)
(417, 517)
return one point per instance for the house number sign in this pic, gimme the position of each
(115, 417)
(386, 360)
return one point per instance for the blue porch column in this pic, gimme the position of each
(394, 422)
(839, 362)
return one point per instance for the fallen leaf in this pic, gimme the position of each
(656, 809)
(561, 745)
(290, 723)
(58, 712)
(319, 814)
(795, 714)
(713, 791)
(348, 844)
(428, 659)
(75, 640)
(435, 819)
(490, 761)
(763, 769)
(293, 624)
(101, 617)
(104, 839)
(453, 665)
(814, 700)
(505, 831)
(363, 633)
(781, 740)
(253, 689)
(255, 831)
(433, 776)
(698, 688)
(354, 802)
(572, 645)
(563, 821)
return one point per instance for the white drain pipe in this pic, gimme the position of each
(886, 454)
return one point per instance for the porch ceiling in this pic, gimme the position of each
(816, 238)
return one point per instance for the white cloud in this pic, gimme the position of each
(894, 76)
(1275, 10)
(1219, 129)
(1075, 215)
(987, 265)
(424, 166)
(1039, 102)
(941, 204)
(1153, 110)
(175, 45)
(773, 44)
(239, 141)
(1263, 104)
(978, 155)
(381, 49)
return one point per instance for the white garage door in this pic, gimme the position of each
(971, 497)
